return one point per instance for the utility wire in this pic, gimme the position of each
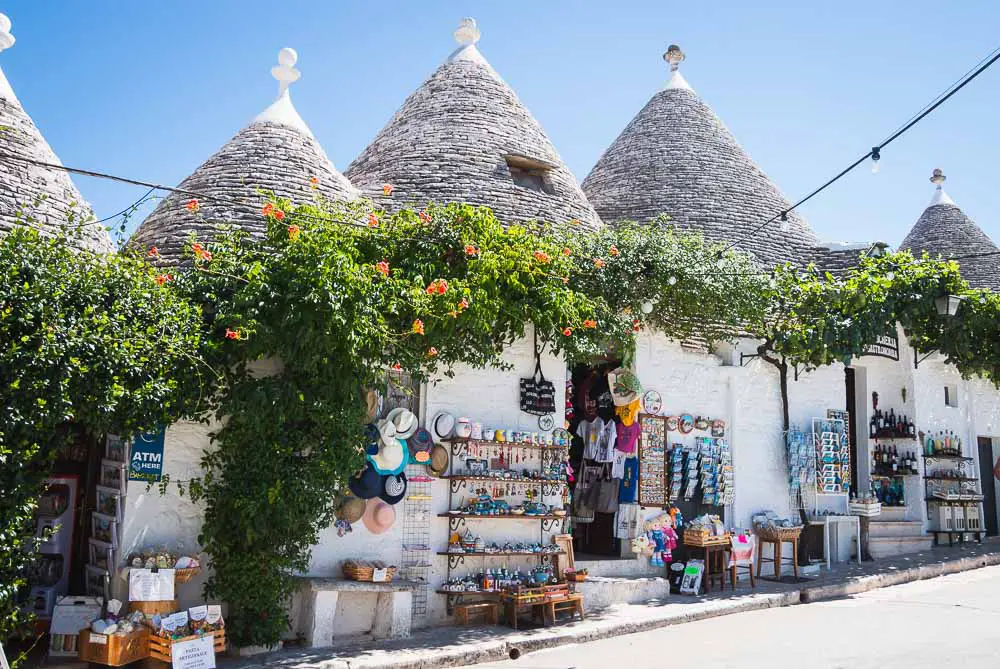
(877, 149)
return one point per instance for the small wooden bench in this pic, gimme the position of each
(545, 602)
(489, 610)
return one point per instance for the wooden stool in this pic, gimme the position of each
(777, 560)
(716, 565)
(490, 611)
(572, 603)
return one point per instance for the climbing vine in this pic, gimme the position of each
(89, 344)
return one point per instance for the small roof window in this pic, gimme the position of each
(530, 173)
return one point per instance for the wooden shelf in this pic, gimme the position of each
(526, 445)
(953, 502)
(495, 479)
(506, 516)
(502, 554)
(950, 478)
(948, 456)
(892, 476)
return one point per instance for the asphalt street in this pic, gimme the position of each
(950, 621)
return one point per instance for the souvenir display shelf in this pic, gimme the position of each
(833, 458)
(954, 504)
(548, 522)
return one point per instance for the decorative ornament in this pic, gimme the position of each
(672, 423)
(686, 423)
(652, 402)
(546, 422)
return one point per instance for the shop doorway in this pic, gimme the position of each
(591, 400)
(989, 483)
(853, 438)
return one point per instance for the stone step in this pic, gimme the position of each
(892, 513)
(602, 591)
(620, 568)
(895, 528)
(881, 547)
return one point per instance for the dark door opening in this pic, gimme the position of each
(989, 483)
(853, 438)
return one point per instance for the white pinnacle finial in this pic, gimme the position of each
(467, 32)
(6, 38)
(285, 71)
(940, 197)
(674, 56)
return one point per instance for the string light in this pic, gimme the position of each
(672, 280)
(647, 307)
(785, 225)
(875, 158)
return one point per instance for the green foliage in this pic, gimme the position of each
(88, 344)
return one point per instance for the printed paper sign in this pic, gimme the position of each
(146, 585)
(380, 575)
(214, 614)
(146, 460)
(101, 639)
(194, 654)
(198, 612)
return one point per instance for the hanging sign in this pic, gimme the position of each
(194, 654)
(147, 585)
(146, 460)
(884, 346)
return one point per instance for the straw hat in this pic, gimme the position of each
(373, 402)
(387, 430)
(378, 516)
(391, 457)
(405, 422)
(351, 509)
(625, 386)
(439, 461)
(442, 426)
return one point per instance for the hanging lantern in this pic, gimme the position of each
(947, 305)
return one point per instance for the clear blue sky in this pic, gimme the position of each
(151, 89)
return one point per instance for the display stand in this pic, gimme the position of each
(457, 520)
(954, 503)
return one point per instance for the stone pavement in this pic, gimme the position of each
(456, 646)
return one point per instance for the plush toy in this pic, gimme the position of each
(642, 546)
(662, 538)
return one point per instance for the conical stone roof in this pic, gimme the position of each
(45, 197)
(944, 230)
(676, 157)
(275, 153)
(464, 136)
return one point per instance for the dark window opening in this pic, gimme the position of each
(530, 173)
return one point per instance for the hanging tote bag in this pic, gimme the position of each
(538, 396)
(606, 497)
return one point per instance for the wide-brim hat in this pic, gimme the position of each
(387, 431)
(351, 509)
(624, 385)
(391, 458)
(373, 403)
(405, 421)
(439, 461)
(420, 445)
(393, 488)
(365, 484)
(442, 426)
(378, 516)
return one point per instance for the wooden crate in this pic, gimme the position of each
(113, 650)
(159, 647)
(700, 538)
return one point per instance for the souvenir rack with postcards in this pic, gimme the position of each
(498, 476)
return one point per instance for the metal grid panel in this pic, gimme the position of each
(417, 534)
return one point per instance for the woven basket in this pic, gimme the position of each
(185, 575)
(365, 571)
(697, 538)
(778, 534)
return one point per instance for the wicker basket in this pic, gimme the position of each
(778, 533)
(702, 537)
(161, 607)
(364, 570)
(185, 575)
(577, 577)
(160, 647)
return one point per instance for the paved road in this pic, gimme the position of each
(951, 621)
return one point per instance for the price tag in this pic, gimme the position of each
(380, 575)
(101, 639)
